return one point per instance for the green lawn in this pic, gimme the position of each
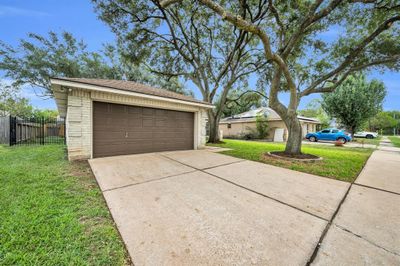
(395, 140)
(368, 141)
(339, 162)
(52, 211)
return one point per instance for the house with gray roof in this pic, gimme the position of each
(241, 125)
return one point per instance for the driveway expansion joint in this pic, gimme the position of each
(379, 189)
(248, 189)
(201, 169)
(365, 239)
(327, 227)
(266, 196)
(149, 181)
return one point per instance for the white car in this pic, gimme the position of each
(366, 134)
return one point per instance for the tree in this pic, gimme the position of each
(355, 101)
(302, 62)
(186, 42)
(262, 126)
(383, 121)
(315, 110)
(11, 103)
(35, 59)
(46, 114)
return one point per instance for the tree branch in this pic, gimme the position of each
(353, 54)
(236, 100)
(331, 88)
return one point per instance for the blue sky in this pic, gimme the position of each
(18, 17)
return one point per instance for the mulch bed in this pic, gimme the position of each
(304, 157)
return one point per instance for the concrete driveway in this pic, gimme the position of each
(201, 207)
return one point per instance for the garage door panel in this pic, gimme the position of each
(134, 110)
(173, 135)
(148, 121)
(109, 149)
(139, 135)
(109, 108)
(109, 123)
(122, 129)
(140, 147)
(148, 112)
(109, 135)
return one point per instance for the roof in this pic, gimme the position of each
(251, 115)
(131, 86)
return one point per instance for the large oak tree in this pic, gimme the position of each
(187, 42)
(366, 36)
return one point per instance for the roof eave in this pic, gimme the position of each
(85, 86)
(60, 96)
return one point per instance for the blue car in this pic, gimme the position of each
(331, 134)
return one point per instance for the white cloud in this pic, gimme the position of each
(9, 11)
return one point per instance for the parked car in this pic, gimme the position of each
(366, 134)
(332, 134)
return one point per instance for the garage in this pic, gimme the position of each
(118, 117)
(123, 129)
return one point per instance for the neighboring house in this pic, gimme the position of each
(239, 125)
(115, 117)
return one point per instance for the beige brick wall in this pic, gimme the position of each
(79, 118)
(79, 125)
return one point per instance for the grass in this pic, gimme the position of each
(52, 211)
(374, 141)
(395, 140)
(339, 162)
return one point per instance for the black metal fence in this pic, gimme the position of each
(36, 131)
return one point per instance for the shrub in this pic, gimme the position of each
(262, 126)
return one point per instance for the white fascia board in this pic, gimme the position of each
(122, 92)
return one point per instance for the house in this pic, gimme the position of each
(239, 125)
(115, 117)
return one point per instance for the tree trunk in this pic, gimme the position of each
(352, 131)
(213, 122)
(293, 144)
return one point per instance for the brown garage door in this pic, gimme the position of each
(123, 129)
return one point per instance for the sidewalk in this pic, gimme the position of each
(366, 228)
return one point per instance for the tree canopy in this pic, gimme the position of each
(240, 101)
(355, 101)
(315, 110)
(11, 103)
(300, 60)
(385, 122)
(187, 42)
(37, 58)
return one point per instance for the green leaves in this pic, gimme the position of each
(11, 103)
(355, 101)
(262, 125)
(38, 58)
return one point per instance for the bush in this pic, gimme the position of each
(250, 134)
(262, 126)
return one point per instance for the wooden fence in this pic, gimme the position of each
(23, 131)
(4, 129)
